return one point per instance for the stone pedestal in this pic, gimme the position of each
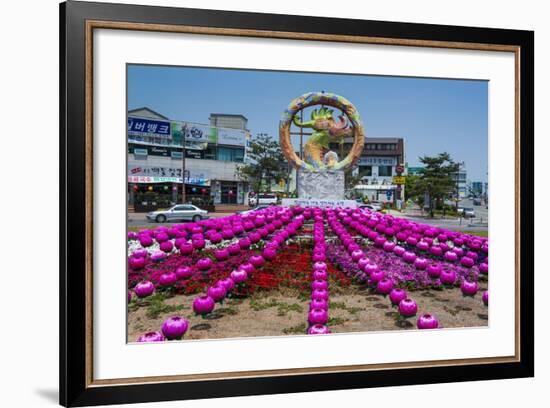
(322, 185)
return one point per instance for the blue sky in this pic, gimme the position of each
(432, 115)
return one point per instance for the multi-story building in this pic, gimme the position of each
(156, 161)
(230, 121)
(382, 159)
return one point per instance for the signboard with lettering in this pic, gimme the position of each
(157, 174)
(304, 202)
(148, 127)
(398, 180)
(233, 137)
(377, 161)
(196, 136)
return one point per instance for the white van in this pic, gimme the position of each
(262, 198)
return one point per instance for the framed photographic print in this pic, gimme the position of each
(256, 204)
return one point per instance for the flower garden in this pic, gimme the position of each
(309, 271)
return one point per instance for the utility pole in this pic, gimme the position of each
(184, 131)
(457, 185)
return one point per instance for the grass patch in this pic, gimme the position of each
(298, 329)
(478, 233)
(282, 308)
(341, 305)
(334, 321)
(157, 307)
(227, 310)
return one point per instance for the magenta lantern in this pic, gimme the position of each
(484, 267)
(247, 267)
(319, 266)
(397, 295)
(199, 243)
(450, 256)
(136, 263)
(398, 250)
(203, 304)
(318, 329)
(389, 246)
(318, 304)
(239, 275)
(166, 246)
(269, 253)
(434, 270)
(384, 286)
(217, 292)
(370, 268)
(427, 321)
(436, 250)
(256, 260)
(233, 249)
(319, 285)
(204, 264)
(407, 307)
(227, 283)
(467, 261)
(319, 275)
(168, 279)
(448, 277)
(376, 276)
(221, 254)
(485, 298)
(317, 316)
(145, 240)
(244, 243)
(184, 272)
(469, 288)
(186, 248)
(421, 263)
(140, 253)
(409, 256)
(151, 337)
(174, 327)
(321, 294)
(144, 289)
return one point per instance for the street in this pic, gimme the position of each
(478, 224)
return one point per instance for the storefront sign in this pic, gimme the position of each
(194, 154)
(398, 180)
(148, 127)
(156, 174)
(232, 137)
(377, 161)
(288, 202)
(196, 136)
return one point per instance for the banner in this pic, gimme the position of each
(158, 174)
(196, 136)
(142, 127)
(233, 137)
(377, 161)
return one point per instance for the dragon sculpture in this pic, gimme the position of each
(326, 130)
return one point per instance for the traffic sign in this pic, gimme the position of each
(398, 180)
(399, 169)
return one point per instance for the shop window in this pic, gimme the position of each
(384, 171)
(365, 171)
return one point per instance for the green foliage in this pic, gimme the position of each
(266, 165)
(436, 182)
(299, 329)
(157, 307)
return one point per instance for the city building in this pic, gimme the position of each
(460, 179)
(379, 167)
(477, 188)
(230, 121)
(156, 161)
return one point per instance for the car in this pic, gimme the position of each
(467, 212)
(477, 201)
(374, 208)
(262, 198)
(178, 212)
(257, 208)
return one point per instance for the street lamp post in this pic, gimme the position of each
(183, 166)
(460, 164)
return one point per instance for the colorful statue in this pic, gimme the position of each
(326, 129)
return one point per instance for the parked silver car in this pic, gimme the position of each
(178, 212)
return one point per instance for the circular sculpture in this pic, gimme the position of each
(326, 129)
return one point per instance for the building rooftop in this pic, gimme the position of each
(228, 115)
(148, 113)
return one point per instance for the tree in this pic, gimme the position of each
(437, 180)
(436, 183)
(266, 163)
